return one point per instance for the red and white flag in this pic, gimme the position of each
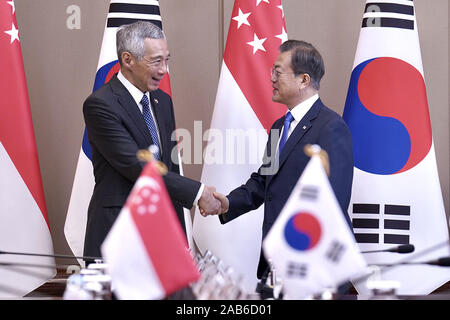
(146, 249)
(243, 112)
(23, 214)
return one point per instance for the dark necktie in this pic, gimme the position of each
(151, 125)
(287, 123)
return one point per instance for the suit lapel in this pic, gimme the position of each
(302, 127)
(129, 105)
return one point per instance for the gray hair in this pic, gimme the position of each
(131, 38)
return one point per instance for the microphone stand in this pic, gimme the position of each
(385, 268)
(262, 288)
(402, 249)
(64, 256)
(32, 265)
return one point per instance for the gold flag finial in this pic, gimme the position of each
(314, 149)
(147, 156)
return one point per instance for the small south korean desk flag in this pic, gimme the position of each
(311, 245)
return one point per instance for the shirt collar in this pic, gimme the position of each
(135, 92)
(299, 111)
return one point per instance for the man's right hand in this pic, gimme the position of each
(207, 204)
(224, 202)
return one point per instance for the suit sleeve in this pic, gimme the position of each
(251, 195)
(336, 139)
(180, 188)
(110, 137)
(245, 198)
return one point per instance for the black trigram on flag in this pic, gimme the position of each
(296, 270)
(121, 12)
(392, 14)
(309, 192)
(335, 251)
(389, 227)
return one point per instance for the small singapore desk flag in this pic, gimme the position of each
(146, 250)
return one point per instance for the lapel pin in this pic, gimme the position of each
(155, 100)
(304, 127)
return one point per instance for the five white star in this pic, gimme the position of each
(282, 10)
(242, 18)
(257, 44)
(259, 1)
(14, 33)
(11, 3)
(283, 36)
(150, 205)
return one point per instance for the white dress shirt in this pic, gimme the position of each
(298, 112)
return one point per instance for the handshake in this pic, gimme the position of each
(212, 202)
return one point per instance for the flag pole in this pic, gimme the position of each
(314, 149)
(147, 156)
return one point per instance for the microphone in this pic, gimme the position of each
(64, 256)
(444, 261)
(441, 262)
(404, 248)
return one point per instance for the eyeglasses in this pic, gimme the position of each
(276, 74)
(157, 63)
